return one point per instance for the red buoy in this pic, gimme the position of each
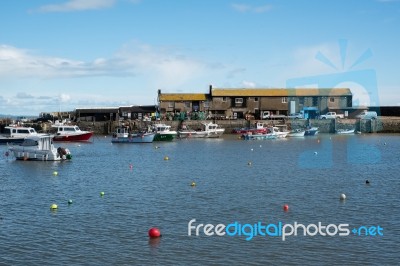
(154, 232)
(285, 207)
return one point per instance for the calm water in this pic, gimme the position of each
(243, 181)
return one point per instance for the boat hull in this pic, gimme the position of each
(75, 137)
(311, 132)
(200, 134)
(136, 138)
(164, 137)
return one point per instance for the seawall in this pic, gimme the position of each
(380, 125)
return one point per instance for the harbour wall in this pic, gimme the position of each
(380, 125)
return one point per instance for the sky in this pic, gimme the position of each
(67, 54)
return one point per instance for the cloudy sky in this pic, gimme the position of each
(64, 54)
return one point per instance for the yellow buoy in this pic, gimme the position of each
(55, 173)
(166, 158)
(53, 206)
(193, 184)
(102, 193)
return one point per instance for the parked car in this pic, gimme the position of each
(367, 115)
(295, 116)
(331, 115)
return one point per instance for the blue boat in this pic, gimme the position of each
(122, 135)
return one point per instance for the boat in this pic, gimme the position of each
(208, 130)
(122, 135)
(296, 133)
(244, 130)
(39, 148)
(163, 132)
(63, 132)
(311, 131)
(272, 133)
(16, 134)
(345, 131)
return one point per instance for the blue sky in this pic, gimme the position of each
(65, 54)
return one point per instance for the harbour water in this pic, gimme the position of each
(237, 182)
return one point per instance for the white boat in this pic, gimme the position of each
(311, 131)
(296, 133)
(208, 130)
(345, 131)
(16, 134)
(163, 132)
(272, 133)
(39, 148)
(63, 132)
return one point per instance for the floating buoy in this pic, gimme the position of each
(55, 173)
(285, 207)
(251, 149)
(193, 184)
(249, 163)
(154, 232)
(318, 140)
(260, 146)
(342, 196)
(384, 143)
(102, 194)
(130, 166)
(156, 147)
(367, 182)
(315, 153)
(53, 206)
(70, 201)
(166, 158)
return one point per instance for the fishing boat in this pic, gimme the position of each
(208, 130)
(123, 135)
(16, 134)
(259, 128)
(163, 132)
(272, 133)
(39, 148)
(63, 132)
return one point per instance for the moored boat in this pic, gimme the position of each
(311, 131)
(259, 128)
(122, 135)
(39, 148)
(16, 134)
(272, 133)
(163, 132)
(208, 130)
(63, 132)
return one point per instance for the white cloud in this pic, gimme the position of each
(64, 97)
(77, 5)
(244, 8)
(249, 84)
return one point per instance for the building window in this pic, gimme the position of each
(284, 99)
(238, 100)
(187, 104)
(171, 104)
(315, 101)
(332, 100)
(256, 99)
(206, 104)
(301, 100)
(224, 99)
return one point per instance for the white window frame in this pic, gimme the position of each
(284, 100)
(239, 100)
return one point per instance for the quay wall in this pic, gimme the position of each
(380, 125)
